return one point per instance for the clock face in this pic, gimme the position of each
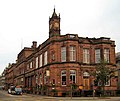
(56, 25)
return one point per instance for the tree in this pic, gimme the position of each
(102, 74)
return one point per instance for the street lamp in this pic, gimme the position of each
(71, 88)
(41, 89)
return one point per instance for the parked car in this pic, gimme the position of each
(15, 90)
(18, 91)
(9, 91)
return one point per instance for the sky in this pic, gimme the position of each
(25, 21)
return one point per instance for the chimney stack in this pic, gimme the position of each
(34, 45)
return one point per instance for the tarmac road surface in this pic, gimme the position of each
(4, 96)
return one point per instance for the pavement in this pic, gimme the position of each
(72, 98)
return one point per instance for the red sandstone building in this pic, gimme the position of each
(62, 60)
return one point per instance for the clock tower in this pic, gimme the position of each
(54, 25)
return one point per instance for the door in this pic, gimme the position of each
(86, 84)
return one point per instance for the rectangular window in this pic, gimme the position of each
(41, 60)
(106, 55)
(36, 62)
(27, 66)
(63, 77)
(97, 56)
(36, 79)
(63, 54)
(40, 79)
(72, 76)
(107, 83)
(21, 79)
(31, 64)
(86, 56)
(45, 58)
(72, 53)
(45, 79)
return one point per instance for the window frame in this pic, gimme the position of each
(45, 58)
(41, 60)
(36, 62)
(72, 53)
(72, 76)
(107, 55)
(63, 74)
(97, 55)
(31, 64)
(63, 54)
(86, 55)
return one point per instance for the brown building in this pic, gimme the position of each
(9, 75)
(62, 60)
(118, 68)
(2, 80)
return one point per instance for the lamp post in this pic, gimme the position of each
(81, 89)
(93, 91)
(93, 88)
(41, 89)
(71, 88)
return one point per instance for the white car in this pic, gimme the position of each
(9, 91)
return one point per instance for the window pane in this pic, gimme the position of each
(36, 62)
(45, 58)
(106, 55)
(73, 76)
(31, 64)
(40, 60)
(86, 56)
(36, 79)
(63, 80)
(40, 79)
(107, 83)
(45, 80)
(63, 54)
(27, 66)
(63, 77)
(72, 53)
(97, 56)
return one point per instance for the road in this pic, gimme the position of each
(4, 96)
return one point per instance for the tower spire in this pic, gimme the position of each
(54, 8)
(54, 24)
(54, 13)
